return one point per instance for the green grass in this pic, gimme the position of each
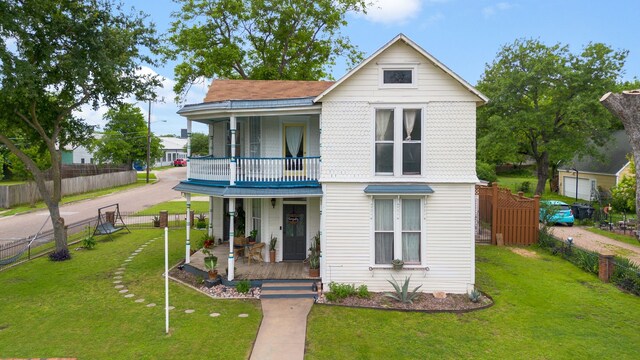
(545, 308)
(629, 239)
(71, 198)
(513, 183)
(71, 309)
(11, 182)
(177, 207)
(143, 176)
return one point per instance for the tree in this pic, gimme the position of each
(125, 138)
(544, 103)
(58, 55)
(199, 144)
(260, 40)
(626, 106)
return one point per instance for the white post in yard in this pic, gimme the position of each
(232, 213)
(187, 255)
(166, 278)
(210, 232)
(188, 149)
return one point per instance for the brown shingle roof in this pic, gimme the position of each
(221, 90)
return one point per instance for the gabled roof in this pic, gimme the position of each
(615, 157)
(224, 90)
(401, 37)
(172, 142)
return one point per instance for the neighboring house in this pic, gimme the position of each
(596, 173)
(172, 148)
(381, 163)
(79, 154)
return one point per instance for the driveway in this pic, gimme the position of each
(598, 243)
(19, 226)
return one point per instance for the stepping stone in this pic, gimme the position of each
(143, 245)
(123, 291)
(243, 315)
(214, 314)
(128, 260)
(171, 307)
(133, 254)
(138, 251)
(129, 295)
(139, 300)
(117, 281)
(189, 311)
(121, 269)
(118, 286)
(151, 305)
(118, 277)
(118, 273)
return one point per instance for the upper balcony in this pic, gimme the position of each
(256, 172)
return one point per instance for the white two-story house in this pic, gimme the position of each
(380, 163)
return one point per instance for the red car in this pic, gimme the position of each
(180, 162)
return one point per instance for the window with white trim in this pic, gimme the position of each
(398, 141)
(397, 76)
(397, 230)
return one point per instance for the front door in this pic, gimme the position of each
(294, 238)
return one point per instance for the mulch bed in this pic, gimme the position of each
(424, 302)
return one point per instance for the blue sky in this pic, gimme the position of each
(465, 35)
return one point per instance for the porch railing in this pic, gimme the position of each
(257, 170)
(209, 168)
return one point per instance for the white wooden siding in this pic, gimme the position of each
(448, 148)
(448, 241)
(433, 83)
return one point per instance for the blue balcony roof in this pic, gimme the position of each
(248, 104)
(248, 192)
(398, 189)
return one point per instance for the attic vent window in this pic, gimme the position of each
(398, 76)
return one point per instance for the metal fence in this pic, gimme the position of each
(25, 249)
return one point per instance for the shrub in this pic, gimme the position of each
(525, 187)
(89, 242)
(363, 292)
(342, 291)
(402, 293)
(626, 275)
(486, 172)
(243, 286)
(60, 255)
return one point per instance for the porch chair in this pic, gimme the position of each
(255, 252)
(238, 246)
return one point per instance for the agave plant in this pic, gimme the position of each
(402, 293)
(474, 295)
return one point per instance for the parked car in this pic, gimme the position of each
(555, 212)
(180, 162)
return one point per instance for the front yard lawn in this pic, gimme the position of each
(545, 308)
(71, 309)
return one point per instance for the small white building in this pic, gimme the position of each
(172, 148)
(380, 163)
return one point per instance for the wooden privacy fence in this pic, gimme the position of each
(499, 213)
(27, 193)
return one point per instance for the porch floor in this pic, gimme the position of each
(294, 270)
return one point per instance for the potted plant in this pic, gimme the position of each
(314, 260)
(210, 262)
(208, 242)
(252, 236)
(272, 248)
(156, 221)
(201, 223)
(397, 264)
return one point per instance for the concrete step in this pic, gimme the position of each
(287, 285)
(283, 291)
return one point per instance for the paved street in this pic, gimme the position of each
(19, 226)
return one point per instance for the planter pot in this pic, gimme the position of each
(213, 274)
(156, 224)
(398, 266)
(314, 272)
(272, 256)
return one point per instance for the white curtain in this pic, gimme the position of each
(411, 230)
(409, 122)
(383, 118)
(384, 231)
(294, 139)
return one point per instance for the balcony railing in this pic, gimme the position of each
(256, 170)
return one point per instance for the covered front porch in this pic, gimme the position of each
(288, 270)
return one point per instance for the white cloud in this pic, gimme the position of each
(490, 11)
(393, 11)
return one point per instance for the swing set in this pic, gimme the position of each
(107, 220)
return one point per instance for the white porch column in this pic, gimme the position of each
(323, 241)
(188, 150)
(210, 230)
(187, 256)
(232, 168)
(210, 139)
(232, 214)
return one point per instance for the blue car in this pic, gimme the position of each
(556, 212)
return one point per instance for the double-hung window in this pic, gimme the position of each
(397, 230)
(398, 141)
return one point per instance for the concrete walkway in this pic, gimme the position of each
(598, 243)
(283, 330)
